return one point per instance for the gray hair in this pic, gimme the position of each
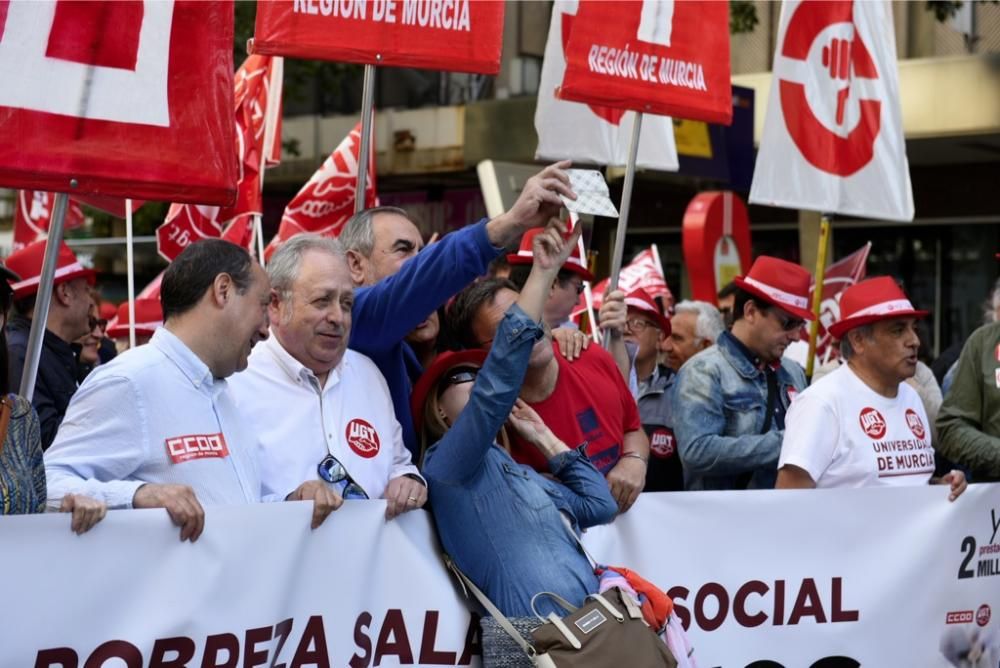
(359, 234)
(709, 324)
(846, 349)
(283, 269)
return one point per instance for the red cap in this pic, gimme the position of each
(429, 380)
(779, 283)
(27, 263)
(870, 301)
(640, 300)
(575, 262)
(107, 310)
(148, 316)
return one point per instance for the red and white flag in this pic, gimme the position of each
(833, 136)
(326, 201)
(257, 103)
(34, 213)
(839, 276)
(644, 271)
(591, 133)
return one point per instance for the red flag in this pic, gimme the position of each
(644, 271)
(326, 202)
(188, 223)
(838, 277)
(34, 213)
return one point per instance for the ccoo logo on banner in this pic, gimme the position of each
(833, 137)
(591, 133)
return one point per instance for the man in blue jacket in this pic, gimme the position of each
(400, 284)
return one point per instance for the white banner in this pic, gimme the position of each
(833, 136)
(586, 133)
(770, 579)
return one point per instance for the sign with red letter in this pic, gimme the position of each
(657, 56)
(455, 35)
(130, 99)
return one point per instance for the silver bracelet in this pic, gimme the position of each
(644, 460)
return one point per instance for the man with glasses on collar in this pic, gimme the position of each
(321, 411)
(729, 401)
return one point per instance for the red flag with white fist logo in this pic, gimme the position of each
(34, 213)
(120, 99)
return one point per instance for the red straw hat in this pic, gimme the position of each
(148, 316)
(575, 262)
(640, 300)
(429, 380)
(780, 283)
(27, 262)
(870, 301)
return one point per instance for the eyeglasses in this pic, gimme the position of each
(788, 323)
(332, 471)
(638, 325)
(574, 285)
(457, 377)
(97, 322)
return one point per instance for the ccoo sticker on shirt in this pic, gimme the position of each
(196, 446)
(362, 438)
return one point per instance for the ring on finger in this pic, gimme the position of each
(413, 499)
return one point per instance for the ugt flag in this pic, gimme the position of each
(833, 137)
(591, 133)
(839, 276)
(644, 271)
(33, 215)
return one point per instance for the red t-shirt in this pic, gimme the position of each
(591, 404)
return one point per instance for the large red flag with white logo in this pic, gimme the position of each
(656, 56)
(257, 84)
(833, 136)
(591, 133)
(838, 277)
(644, 271)
(455, 35)
(121, 99)
(326, 201)
(34, 213)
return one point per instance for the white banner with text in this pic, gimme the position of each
(779, 579)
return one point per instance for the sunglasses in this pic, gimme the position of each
(457, 377)
(789, 323)
(98, 322)
(332, 471)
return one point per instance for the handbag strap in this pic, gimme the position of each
(4, 420)
(490, 608)
(576, 539)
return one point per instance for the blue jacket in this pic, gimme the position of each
(501, 521)
(719, 403)
(386, 312)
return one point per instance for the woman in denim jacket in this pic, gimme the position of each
(503, 523)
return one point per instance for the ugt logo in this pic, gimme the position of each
(872, 422)
(829, 101)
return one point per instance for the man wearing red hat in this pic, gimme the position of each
(567, 288)
(862, 425)
(69, 318)
(729, 401)
(148, 318)
(645, 327)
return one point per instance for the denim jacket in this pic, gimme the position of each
(501, 521)
(719, 404)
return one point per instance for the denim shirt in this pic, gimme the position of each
(719, 404)
(501, 521)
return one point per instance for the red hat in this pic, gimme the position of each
(429, 380)
(640, 300)
(870, 301)
(27, 262)
(575, 263)
(107, 310)
(148, 316)
(779, 283)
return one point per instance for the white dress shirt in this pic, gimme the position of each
(154, 414)
(298, 422)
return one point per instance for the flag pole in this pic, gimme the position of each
(824, 235)
(367, 102)
(276, 73)
(616, 263)
(41, 315)
(129, 260)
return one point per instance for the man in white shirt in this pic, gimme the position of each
(862, 425)
(156, 427)
(320, 410)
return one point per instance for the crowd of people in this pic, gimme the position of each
(374, 367)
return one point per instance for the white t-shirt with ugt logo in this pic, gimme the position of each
(844, 434)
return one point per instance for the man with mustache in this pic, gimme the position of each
(321, 411)
(157, 427)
